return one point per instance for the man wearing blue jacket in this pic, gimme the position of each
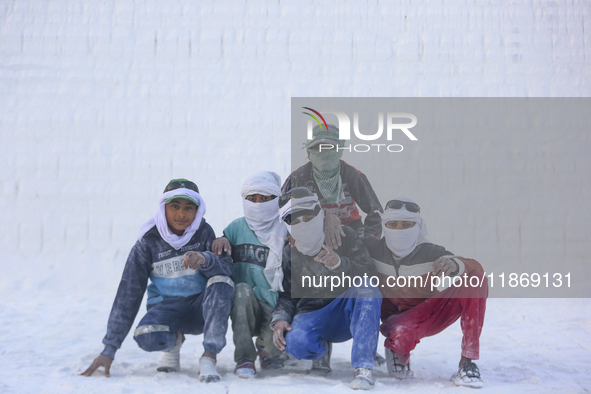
(191, 289)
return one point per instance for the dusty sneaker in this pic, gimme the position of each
(270, 363)
(207, 372)
(322, 367)
(468, 375)
(171, 360)
(379, 360)
(245, 369)
(396, 369)
(363, 379)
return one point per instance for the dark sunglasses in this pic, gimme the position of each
(397, 204)
(289, 216)
(181, 184)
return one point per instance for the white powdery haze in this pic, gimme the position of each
(103, 102)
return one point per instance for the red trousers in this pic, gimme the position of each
(405, 330)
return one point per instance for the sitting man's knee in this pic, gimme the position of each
(154, 341)
(364, 292)
(243, 291)
(224, 290)
(301, 346)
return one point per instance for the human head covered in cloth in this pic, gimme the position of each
(402, 226)
(180, 213)
(300, 210)
(260, 203)
(325, 156)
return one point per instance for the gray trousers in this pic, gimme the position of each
(251, 318)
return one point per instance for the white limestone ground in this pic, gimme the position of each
(103, 102)
(528, 345)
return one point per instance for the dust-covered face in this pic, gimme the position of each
(302, 219)
(325, 160)
(180, 213)
(259, 198)
(399, 224)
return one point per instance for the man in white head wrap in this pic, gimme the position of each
(409, 265)
(309, 317)
(191, 289)
(256, 243)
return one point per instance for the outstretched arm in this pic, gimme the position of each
(215, 264)
(125, 306)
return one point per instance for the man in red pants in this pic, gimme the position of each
(426, 289)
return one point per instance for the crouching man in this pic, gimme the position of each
(191, 290)
(413, 309)
(256, 243)
(305, 327)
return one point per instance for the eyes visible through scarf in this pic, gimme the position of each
(258, 198)
(305, 219)
(297, 214)
(399, 224)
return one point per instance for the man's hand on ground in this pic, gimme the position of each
(100, 361)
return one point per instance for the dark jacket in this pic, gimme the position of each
(417, 263)
(357, 190)
(355, 261)
(169, 278)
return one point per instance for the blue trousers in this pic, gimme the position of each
(349, 316)
(206, 313)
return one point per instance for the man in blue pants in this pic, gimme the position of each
(330, 312)
(191, 289)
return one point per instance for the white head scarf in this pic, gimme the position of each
(308, 236)
(159, 219)
(402, 242)
(263, 219)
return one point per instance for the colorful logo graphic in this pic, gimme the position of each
(315, 118)
(388, 125)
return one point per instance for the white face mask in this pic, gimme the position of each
(402, 242)
(262, 215)
(309, 236)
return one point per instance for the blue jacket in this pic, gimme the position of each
(153, 258)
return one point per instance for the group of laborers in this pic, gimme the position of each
(309, 228)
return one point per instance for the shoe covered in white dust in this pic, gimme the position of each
(245, 369)
(363, 379)
(276, 362)
(171, 360)
(322, 367)
(207, 371)
(396, 369)
(468, 375)
(379, 360)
